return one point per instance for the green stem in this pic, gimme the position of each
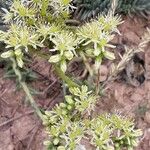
(86, 63)
(65, 78)
(26, 89)
(58, 71)
(98, 83)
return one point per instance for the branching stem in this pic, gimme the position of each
(58, 71)
(26, 89)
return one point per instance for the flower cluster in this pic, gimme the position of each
(65, 44)
(37, 24)
(67, 125)
(61, 7)
(18, 39)
(96, 36)
(114, 132)
(29, 26)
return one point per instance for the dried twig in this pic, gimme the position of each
(16, 118)
(127, 57)
(122, 64)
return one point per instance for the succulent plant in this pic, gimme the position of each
(37, 24)
(105, 132)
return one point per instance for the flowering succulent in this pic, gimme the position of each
(18, 38)
(73, 135)
(47, 30)
(109, 23)
(61, 6)
(84, 100)
(31, 26)
(7, 17)
(37, 24)
(119, 128)
(64, 44)
(96, 35)
(105, 132)
(20, 10)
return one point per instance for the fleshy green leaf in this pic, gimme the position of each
(19, 61)
(109, 55)
(61, 148)
(54, 59)
(68, 55)
(7, 54)
(63, 66)
(98, 62)
(18, 52)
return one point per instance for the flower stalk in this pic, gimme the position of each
(58, 71)
(26, 89)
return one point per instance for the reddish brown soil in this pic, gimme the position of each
(27, 133)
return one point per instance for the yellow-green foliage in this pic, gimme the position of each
(38, 24)
(69, 122)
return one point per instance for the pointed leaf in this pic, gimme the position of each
(19, 61)
(63, 66)
(7, 54)
(54, 59)
(109, 55)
